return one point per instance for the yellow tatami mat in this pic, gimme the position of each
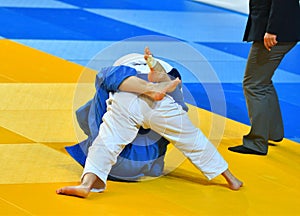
(36, 122)
(30, 65)
(36, 163)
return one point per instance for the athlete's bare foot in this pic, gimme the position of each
(232, 181)
(157, 72)
(89, 181)
(160, 89)
(78, 191)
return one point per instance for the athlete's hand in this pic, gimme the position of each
(270, 41)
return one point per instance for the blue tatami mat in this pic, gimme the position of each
(78, 30)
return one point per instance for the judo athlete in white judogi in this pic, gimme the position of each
(126, 113)
(144, 156)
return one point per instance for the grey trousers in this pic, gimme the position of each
(261, 97)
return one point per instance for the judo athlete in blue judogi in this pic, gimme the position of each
(144, 156)
(121, 149)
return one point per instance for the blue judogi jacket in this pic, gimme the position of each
(145, 155)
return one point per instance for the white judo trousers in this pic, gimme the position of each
(127, 112)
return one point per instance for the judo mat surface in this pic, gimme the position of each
(37, 122)
(44, 53)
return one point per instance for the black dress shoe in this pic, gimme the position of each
(244, 150)
(277, 140)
